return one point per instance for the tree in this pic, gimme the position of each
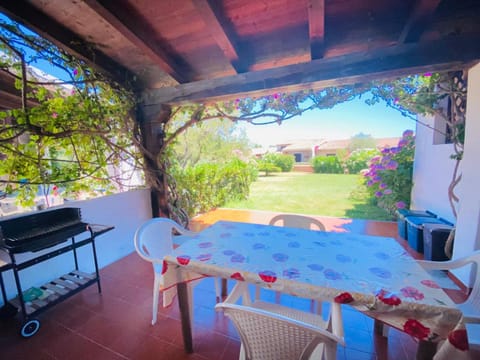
(214, 141)
(361, 141)
(67, 133)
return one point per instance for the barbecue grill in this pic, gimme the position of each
(42, 231)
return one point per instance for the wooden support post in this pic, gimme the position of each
(153, 136)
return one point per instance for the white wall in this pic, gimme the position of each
(126, 211)
(432, 172)
(467, 237)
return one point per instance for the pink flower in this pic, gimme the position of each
(54, 115)
(387, 192)
(370, 183)
(392, 165)
(411, 292)
(427, 74)
(396, 101)
(401, 205)
(402, 143)
(382, 186)
(407, 133)
(75, 72)
(378, 194)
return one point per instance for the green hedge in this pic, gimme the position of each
(283, 161)
(207, 186)
(327, 165)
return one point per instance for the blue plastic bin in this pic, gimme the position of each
(434, 239)
(403, 213)
(415, 230)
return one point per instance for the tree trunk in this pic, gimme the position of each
(153, 136)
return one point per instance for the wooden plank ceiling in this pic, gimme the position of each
(198, 50)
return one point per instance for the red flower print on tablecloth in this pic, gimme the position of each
(268, 276)
(205, 244)
(459, 339)
(430, 283)
(332, 274)
(280, 257)
(381, 272)
(315, 267)
(204, 257)
(183, 259)
(412, 292)
(291, 273)
(164, 267)
(416, 329)
(238, 258)
(344, 298)
(388, 298)
(237, 276)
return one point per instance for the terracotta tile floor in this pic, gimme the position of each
(116, 323)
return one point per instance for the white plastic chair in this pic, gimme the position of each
(297, 221)
(271, 331)
(471, 307)
(153, 240)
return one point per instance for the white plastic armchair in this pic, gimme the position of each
(471, 307)
(271, 331)
(297, 221)
(153, 240)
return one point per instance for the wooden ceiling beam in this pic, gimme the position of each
(48, 28)
(316, 28)
(127, 22)
(217, 25)
(418, 20)
(401, 60)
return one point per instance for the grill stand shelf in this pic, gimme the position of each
(61, 288)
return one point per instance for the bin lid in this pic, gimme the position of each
(419, 221)
(405, 213)
(432, 227)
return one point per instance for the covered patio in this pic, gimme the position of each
(116, 323)
(203, 51)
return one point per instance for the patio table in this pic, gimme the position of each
(375, 275)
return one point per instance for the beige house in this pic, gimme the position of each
(305, 150)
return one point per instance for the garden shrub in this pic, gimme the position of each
(268, 168)
(209, 185)
(283, 161)
(389, 176)
(327, 165)
(358, 160)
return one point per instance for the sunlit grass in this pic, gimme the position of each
(314, 194)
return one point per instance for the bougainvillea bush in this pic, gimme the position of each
(389, 175)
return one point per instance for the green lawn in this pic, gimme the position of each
(315, 194)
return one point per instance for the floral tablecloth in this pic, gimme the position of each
(372, 274)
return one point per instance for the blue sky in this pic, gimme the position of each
(341, 122)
